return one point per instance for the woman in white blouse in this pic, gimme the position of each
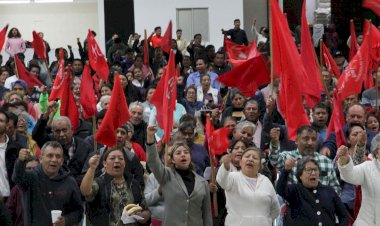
(205, 93)
(250, 196)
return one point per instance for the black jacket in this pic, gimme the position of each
(11, 155)
(43, 194)
(139, 134)
(100, 208)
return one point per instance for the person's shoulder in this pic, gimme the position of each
(322, 158)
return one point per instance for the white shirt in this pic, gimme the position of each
(9, 81)
(4, 183)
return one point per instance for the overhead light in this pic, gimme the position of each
(14, 1)
(52, 1)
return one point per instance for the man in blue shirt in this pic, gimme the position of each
(195, 77)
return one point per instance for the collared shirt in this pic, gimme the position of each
(327, 175)
(4, 183)
(195, 78)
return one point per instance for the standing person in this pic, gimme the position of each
(156, 37)
(202, 68)
(310, 202)
(48, 187)
(181, 42)
(15, 44)
(196, 49)
(367, 176)
(250, 196)
(184, 191)
(108, 194)
(236, 34)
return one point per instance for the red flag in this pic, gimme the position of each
(3, 34)
(373, 5)
(68, 105)
(87, 93)
(375, 45)
(56, 90)
(117, 114)
(96, 57)
(337, 121)
(288, 64)
(30, 79)
(217, 140)
(209, 131)
(330, 62)
(352, 78)
(247, 77)
(166, 42)
(164, 98)
(146, 50)
(238, 54)
(354, 46)
(312, 84)
(39, 46)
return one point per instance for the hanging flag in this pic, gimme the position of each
(39, 46)
(247, 77)
(312, 84)
(68, 105)
(164, 98)
(166, 42)
(30, 79)
(3, 34)
(97, 60)
(117, 114)
(330, 62)
(87, 93)
(239, 54)
(337, 121)
(373, 5)
(288, 64)
(146, 50)
(56, 89)
(354, 46)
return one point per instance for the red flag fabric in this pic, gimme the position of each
(68, 105)
(247, 77)
(87, 93)
(329, 62)
(39, 46)
(351, 80)
(209, 131)
(30, 79)
(337, 121)
(312, 84)
(166, 42)
(3, 34)
(217, 140)
(56, 90)
(354, 46)
(146, 50)
(164, 98)
(288, 64)
(117, 114)
(97, 60)
(238, 54)
(373, 5)
(375, 45)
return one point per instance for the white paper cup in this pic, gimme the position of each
(55, 214)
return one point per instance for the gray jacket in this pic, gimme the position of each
(181, 209)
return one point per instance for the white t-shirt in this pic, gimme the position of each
(4, 183)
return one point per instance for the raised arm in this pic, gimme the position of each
(222, 176)
(88, 179)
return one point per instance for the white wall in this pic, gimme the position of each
(152, 13)
(61, 23)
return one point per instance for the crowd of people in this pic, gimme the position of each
(264, 178)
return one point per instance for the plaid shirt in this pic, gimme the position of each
(327, 172)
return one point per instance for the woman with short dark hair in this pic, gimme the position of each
(15, 44)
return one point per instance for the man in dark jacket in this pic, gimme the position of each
(48, 187)
(136, 110)
(75, 150)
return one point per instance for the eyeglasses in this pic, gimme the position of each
(310, 170)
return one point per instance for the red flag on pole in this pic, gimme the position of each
(166, 42)
(56, 90)
(288, 64)
(330, 62)
(3, 34)
(97, 60)
(312, 84)
(39, 46)
(238, 54)
(164, 98)
(146, 50)
(354, 46)
(117, 114)
(247, 77)
(68, 105)
(337, 121)
(87, 93)
(30, 79)
(373, 5)
(351, 80)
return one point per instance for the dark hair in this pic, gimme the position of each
(228, 118)
(77, 59)
(6, 106)
(186, 124)
(320, 105)
(53, 144)
(34, 66)
(192, 86)
(301, 164)
(208, 47)
(6, 115)
(351, 126)
(188, 118)
(149, 88)
(101, 114)
(203, 59)
(21, 103)
(109, 85)
(203, 75)
(303, 128)
(196, 35)
(12, 116)
(31, 159)
(236, 20)
(112, 149)
(252, 101)
(139, 56)
(179, 30)
(10, 35)
(234, 142)
(156, 28)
